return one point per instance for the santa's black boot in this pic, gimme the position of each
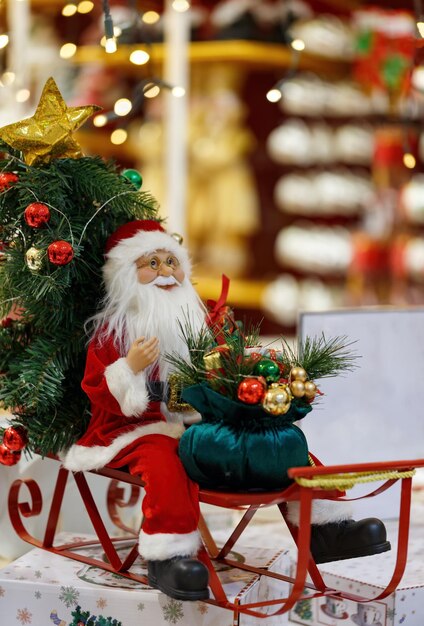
(348, 539)
(180, 578)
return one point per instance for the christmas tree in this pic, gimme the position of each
(57, 209)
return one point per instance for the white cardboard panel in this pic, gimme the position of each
(375, 412)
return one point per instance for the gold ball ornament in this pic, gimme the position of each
(297, 387)
(298, 373)
(277, 399)
(34, 259)
(310, 390)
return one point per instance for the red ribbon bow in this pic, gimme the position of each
(219, 312)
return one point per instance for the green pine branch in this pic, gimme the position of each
(321, 357)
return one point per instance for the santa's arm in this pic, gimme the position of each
(111, 384)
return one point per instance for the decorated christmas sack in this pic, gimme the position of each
(57, 209)
(249, 397)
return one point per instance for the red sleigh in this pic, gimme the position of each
(312, 482)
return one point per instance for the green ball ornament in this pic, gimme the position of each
(134, 177)
(268, 369)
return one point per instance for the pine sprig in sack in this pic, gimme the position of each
(321, 357)
(318, 356)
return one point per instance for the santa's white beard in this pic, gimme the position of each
(156, 312)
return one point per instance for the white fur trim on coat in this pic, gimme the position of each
(323, 511)
(145, 242)
(161, 546)
(127, 388)
(80, 458)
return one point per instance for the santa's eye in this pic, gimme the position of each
(154, 263)
(172, 261)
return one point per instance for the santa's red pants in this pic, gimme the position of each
(171, 503)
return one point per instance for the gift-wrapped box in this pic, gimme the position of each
(44, 589)
(368, 577)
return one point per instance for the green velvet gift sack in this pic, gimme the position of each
(240, 446)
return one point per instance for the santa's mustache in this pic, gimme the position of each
(165, 281)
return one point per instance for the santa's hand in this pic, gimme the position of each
(143, 353)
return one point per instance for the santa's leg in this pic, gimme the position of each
(169, 539)
(336, 536)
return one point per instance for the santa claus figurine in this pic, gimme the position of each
(148, 294)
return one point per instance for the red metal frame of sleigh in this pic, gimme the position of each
(305, 488)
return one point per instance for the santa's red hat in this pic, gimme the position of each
(140, 237)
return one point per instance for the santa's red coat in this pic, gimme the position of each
(121, 411)
(126, 429)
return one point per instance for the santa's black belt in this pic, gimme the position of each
(168, 393)
(158, 391)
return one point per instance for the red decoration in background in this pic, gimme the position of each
(7, 457)
(15, 438)
(369, 255)
(7, 179)
(251, 390)
(385, 49)
(37, 215)
(60, 252)
(398, 257)
(390, 146)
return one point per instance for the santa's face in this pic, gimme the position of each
(161, 269)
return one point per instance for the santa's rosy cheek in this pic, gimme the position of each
(179, 274)
(145, 275)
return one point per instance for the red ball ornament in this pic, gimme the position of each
(37, 214)
(251, 390)
(15, 438)
(7, 457)
(60, 252)
(7, 179)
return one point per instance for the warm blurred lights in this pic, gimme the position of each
(110, 45)
(181, 5)
(150, 17)
(139, 57)
(298, 44)
(122, 106)
(118, 136)
(417, 77)
(67, 50)
(420, 26)
(409, 160)
(273, 95)
(100, 120)
(85, 6)
(151, 91)
(105, 41)
(8, 78)
(178, 92)
(4, 40)
(69, 10)
(22, 95)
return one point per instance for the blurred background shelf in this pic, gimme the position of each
(244, 294)
(254, 55)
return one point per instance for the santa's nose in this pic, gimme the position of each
(166, 270)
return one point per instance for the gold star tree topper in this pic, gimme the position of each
(48, 134)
